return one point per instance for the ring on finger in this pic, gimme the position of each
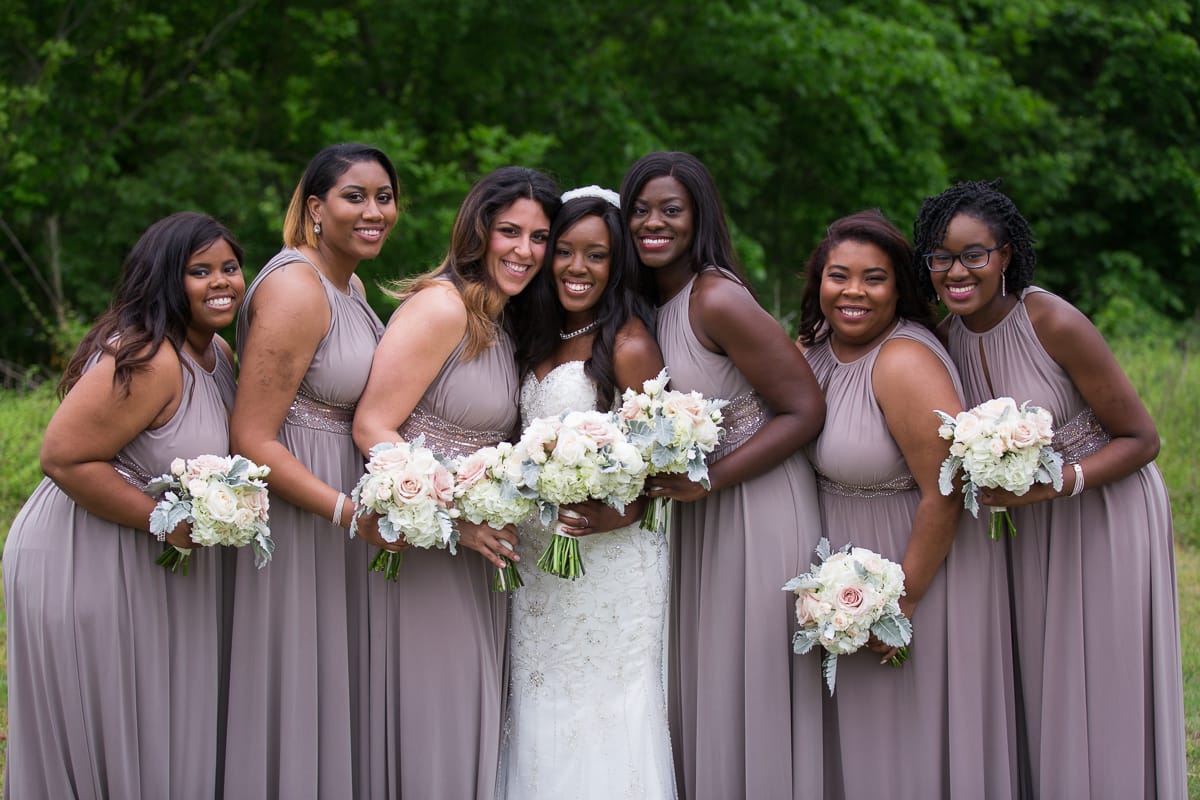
(586, 522)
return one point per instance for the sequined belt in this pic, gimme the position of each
(1080, 437)
(903, 483)
(133, 474)
(743, 416)
(308, 412)
(445, 438)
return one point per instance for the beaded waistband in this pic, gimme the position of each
(308, 412)
(445, 438)
(743, 416)
(1080, 436)
(903, 483)
(133, 474)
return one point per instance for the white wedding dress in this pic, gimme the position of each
(587, 712)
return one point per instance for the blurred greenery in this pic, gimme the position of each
(114, 113)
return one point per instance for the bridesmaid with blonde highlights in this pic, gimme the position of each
(297, 723)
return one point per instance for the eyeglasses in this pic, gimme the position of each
(976, 258)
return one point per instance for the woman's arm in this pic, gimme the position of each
(727, 319)
(1074, 343)
(420, 336)
(289, 317)
(95, 421)
(909, 383)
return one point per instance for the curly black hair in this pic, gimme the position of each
(984, 201)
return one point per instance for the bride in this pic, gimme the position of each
(587, 708)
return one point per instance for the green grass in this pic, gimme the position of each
(23, 418)
(1166, 374)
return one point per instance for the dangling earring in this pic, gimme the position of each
(316, 229)
(1003, 287)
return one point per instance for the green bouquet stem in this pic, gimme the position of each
(900, 657)
(561, 557)
(507, 579)
(176, 559)
(999, 522)
(387, 562)
(657, 517)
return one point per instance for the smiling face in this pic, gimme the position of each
(582, 260)
(516, 245)
(357, 213)
(858, 295)
(973, 294)
(213, 283)
(662, 222)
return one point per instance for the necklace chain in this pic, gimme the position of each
(580, 332)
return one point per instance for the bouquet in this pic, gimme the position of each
(999, 446)
(485, 492)
(223, 497)
(675, 431)
(579, 456)
(412, 491)
(840, 602)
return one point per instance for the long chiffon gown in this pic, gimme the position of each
(745, 712)
(587, 708)
(1096, 616)
(438, 663)
(113, 661)
(297, 720)
(942, 725)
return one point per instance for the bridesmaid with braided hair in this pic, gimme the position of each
(1092, 571)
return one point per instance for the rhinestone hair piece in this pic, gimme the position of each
(609, 195)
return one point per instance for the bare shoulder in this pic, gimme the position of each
(715, 292)
(636, 355)
(438, 306)
(908, 363)
(293, 290)
(1063, 330)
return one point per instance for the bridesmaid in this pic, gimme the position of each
(1095, 615)
(587, 713)
(943, 725)
(745, 712)
(114, 662)
(298, 691)
(445, 368)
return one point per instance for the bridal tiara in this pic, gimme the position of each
(593, 191)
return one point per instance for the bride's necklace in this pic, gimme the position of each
(580, 332)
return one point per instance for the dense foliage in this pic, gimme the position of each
(116, 112)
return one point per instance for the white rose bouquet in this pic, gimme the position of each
(579, 456)
(485, 492)
(840, 602)
(999, 446)
(412, 491)
(675, 432)
(223, 497)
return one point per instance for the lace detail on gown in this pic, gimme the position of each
(587, 708)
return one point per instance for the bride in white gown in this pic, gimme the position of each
(587, 707)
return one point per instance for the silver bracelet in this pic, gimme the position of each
(337, 509)
(1078, 487)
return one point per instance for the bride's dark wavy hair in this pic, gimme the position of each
(540, 316)
(150, 305)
